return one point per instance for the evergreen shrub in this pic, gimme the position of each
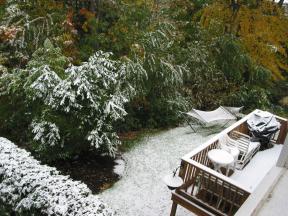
(66, 111)
(29, 188)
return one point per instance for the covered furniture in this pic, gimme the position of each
(263, 126)
(203, 118)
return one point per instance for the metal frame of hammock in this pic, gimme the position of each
(203, 118)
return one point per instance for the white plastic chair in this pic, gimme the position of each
(247, 149)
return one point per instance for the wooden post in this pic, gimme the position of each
(283, 158)
(173, 209)
(283, 132)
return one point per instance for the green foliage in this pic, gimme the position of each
(65, 112)
(25, 26)
(231, 59)
(252, 97)
(115, 30)
(164, 75)
(4, 210)
(205, 84)
(185, 9)
(133, 18)
(173, 55)
(45, 20)
(93, 30)
(217, 65)
(260, 76)
(158, 99)
(236, 64)
(2, 8)
(279, 93)
(16, 111)
(51, 56)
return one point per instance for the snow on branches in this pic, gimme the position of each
(28, 186)
(93, 93)
(46, 133)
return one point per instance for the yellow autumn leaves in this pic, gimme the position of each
(262, 29)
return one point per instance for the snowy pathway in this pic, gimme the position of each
(141, 191)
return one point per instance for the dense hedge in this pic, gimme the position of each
(29, 188)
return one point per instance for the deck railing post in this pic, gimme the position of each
(283, 158)
(283, 132)
(173, 209)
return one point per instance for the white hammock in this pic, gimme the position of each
(209, 116)
(220, 114)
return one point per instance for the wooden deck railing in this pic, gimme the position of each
(207, 192)
(210, 190)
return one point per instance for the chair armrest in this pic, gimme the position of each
(238, 135)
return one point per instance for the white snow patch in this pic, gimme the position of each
(257, 168)
(141, 191)
(119, 168)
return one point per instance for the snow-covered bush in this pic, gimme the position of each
(71, 110)
(29, 188)
(91, 95)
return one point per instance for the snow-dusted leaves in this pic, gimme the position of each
(76, 107)
(94, 93)
(44, 85)
(28, 186)
(46, 133)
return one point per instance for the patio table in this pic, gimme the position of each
(234, 151)
(221, 158)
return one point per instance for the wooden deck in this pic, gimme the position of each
(207, 192)
(255, 171)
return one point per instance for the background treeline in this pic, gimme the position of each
(168, 55)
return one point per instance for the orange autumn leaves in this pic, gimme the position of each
(263, 31)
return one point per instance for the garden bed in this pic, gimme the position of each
(95, 171)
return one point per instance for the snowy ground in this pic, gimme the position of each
(141, 191)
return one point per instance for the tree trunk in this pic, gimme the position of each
(93, 5)
(235, 5)
(280, 3)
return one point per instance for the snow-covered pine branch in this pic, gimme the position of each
(94, 93)
(72, 108)
(26, 186)
(46, 133)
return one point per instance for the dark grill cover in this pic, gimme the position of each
(263, 125)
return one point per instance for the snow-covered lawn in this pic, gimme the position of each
(141, 191)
